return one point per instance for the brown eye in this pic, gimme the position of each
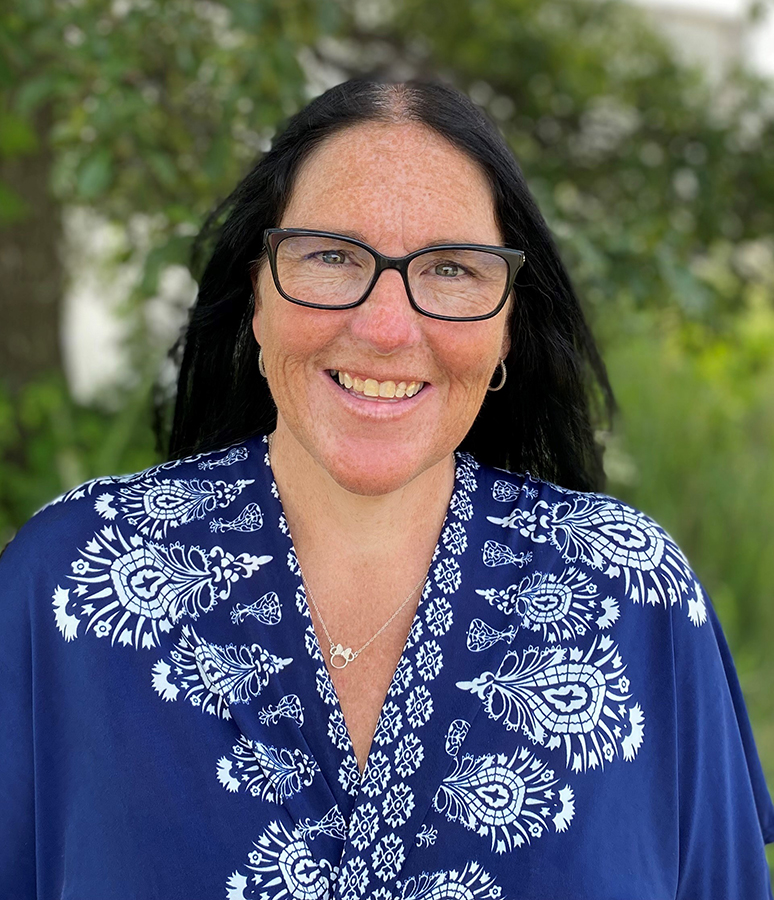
(448, 270)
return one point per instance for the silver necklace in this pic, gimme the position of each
(346, 655)
(339, 651)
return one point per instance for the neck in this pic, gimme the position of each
(365, 531)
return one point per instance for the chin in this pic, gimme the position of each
(369, 476)
(370, 483)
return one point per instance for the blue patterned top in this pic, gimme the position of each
(565, 720)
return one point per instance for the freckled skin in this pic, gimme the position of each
(399, 188)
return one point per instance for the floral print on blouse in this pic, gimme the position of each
(565, 719)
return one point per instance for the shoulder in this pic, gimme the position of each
(622, 549)
(150, 503)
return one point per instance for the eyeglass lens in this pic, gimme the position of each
(334, 272)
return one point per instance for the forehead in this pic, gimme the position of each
(393, 184)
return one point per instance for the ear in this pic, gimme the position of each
(257, 305)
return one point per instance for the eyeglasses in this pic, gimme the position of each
(456, 282)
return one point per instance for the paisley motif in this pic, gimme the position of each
(270, 773)
(611, 537)
(283, 868)
(562, 696)
(132, 589)
(154, 505)
(213, 676)
(470, 883)
(510, 800)
(560, 607)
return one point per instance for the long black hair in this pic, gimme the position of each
(543, 419)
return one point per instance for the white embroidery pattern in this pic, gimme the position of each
(509, 800)
(270, 773)
(284, 868)
(212, 676)
(481, 636)
(234, 455)
(363, 826)
(398, 805)
(559, 607)
(267, 610)
(154, 505)
(388, 857)
(377, 774)
(471, 883)
(571, 699)
(506, 492)
(397, 751)
(408, 755)
(353, 879)
(611, 537)
(496, 554)
(426, 836)
(289, 707)
(132, 589)
(250, 519)
(565, 697)
(349, 775)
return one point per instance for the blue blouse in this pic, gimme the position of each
(564, 722)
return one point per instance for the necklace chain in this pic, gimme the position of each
(347, 654)
(338, 651)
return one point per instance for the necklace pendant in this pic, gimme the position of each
(344, 655)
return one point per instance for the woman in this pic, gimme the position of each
(452, 681)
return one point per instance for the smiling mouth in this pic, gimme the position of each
(372, 389)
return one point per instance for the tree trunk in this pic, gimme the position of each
(31, 272)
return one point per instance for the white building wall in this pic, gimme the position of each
(718, 34)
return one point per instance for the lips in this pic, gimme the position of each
(374, 389)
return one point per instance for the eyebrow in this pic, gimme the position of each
(439, 242)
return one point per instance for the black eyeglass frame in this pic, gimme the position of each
(273, 237)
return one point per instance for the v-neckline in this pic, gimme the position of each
(316, 652)
(385, 812)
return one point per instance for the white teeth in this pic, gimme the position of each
(370, 387)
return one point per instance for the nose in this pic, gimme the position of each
(386, 320)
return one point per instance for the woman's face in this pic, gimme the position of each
(398, 188)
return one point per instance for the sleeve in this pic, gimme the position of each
(726, 813)
(17, 787)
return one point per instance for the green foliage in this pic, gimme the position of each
(694, 451)
(49, 443)
(157, 107)
(640, 166)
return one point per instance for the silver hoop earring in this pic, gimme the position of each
(503, 376)
(261, 366)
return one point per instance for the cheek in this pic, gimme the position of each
(472, 358)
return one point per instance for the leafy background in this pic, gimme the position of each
(138, 115)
